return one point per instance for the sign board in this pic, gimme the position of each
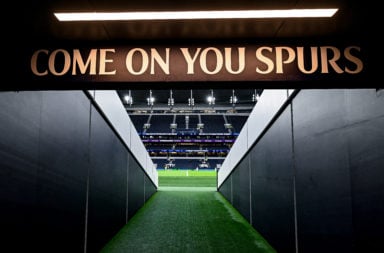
(139, 66)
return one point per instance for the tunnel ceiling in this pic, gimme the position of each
(34, 21)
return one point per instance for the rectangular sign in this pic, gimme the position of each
(212, 63)
(142, 66)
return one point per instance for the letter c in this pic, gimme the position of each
(34, 63)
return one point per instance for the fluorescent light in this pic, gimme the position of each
(172, 15)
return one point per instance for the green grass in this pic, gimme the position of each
(190, 222)
(185, 173)
(187, 178)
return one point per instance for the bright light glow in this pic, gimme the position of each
(128, 99)
(170, 15)
(211, 100)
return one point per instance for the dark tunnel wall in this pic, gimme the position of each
(64, 174)
(324, 174)
(226, 189)
(108, 183)
(149, 190)
(323, 179)
(241, 181)
(136, 187)
(272, 185)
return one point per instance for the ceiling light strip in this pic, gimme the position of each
(184, 15)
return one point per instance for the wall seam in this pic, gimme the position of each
(276, 115)
(231, 191)
(294, 177)
(127, 191)
(144, 186)
(88, 174)
(105, 117)
(250, 190)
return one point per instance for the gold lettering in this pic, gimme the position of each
(67, 62)
(358, 62)
(219, 60)
(144, 61)
(264, 59)
(164, 64)
(78, 61)
(190, 60)
(34, 63)
(279, 58)
(228, 60)
(104, 60)
(332, 61)
(300, 60)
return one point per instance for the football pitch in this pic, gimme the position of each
(187, 214)
(190, 222)
(187, 178)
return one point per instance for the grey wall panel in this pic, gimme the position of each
(64, 133)
(226, 189)
(107, 184)
(19, 147)
(241, 188)
(323, 179)
(367, 172)
(20, 122)
(335, 171)
(135, 187)
(365, 133)
(272, 185)
(46, 151)
(150, 188)
(62, 176)
(363, 105)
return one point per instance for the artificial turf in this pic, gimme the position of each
(186, 173)
(187, 221)
(187, 181)
(187, 178)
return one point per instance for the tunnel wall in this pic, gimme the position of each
(315, 179)
(68, 181)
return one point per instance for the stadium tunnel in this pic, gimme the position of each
(309, 170)
(305, 170)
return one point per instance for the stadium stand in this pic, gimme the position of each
(184, 135)
(139, 121)
(237, 122)
(160, 124)
(213, 124)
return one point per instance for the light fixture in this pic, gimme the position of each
(128, 98)
(211, 99)
(186, 121)
(171, 101)
(150, 99)
(255, 97)
(191, 100)
(233, 98)
(183, 15)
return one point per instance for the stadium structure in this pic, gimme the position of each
(189, 129)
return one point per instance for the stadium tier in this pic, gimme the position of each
(197, 134)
